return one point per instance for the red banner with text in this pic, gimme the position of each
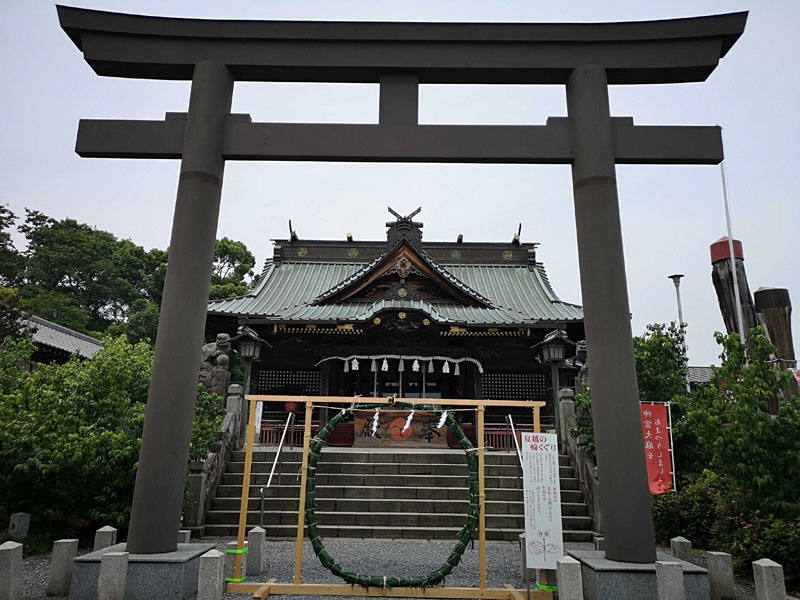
(655, 428)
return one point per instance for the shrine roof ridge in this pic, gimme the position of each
(138, 46)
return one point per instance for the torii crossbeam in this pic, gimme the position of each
(586, 58)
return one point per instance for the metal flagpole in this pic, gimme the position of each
(736, 295)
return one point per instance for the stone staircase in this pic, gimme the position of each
(387, 493)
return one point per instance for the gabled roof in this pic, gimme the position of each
(386, 261)
(286, 293)
(460, 284)
(45, 333)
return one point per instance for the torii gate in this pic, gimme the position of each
(586, 58)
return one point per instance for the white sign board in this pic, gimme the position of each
(544, 539)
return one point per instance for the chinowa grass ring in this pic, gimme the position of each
(464, 535)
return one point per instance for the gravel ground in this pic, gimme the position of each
(372, 557)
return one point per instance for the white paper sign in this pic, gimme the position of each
(544, 537)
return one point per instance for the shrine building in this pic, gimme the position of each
(404, 316)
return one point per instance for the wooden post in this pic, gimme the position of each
(482, 492)
(248, 463)
(537, 423)
(301, 509)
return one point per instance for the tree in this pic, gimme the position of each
(83, 278)
(755, 455)
(9, 257)
(10, 313)
(71, 434)
(233, 262)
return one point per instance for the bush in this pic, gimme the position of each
(750, 536)
(689, 513)
(71, 435)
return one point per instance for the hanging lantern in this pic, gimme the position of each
(446, 367)
(374, 366)
(415, 366)
(384, 365)
(346, 366)
(457, 371)
(354, 366)
(401, 366)
(430, 367)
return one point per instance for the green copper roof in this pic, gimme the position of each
(519, 296)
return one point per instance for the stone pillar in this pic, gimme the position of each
(184, 536)
(681, 549)
(10, 571)
(570, 582)
(720, 576)
(669, 579)
(59, 578)
(768, 576)
(210, 578)
(113, 576)
(625, 497)
(104, 537)
(256, 542)
(18, 525)
(566, 410)
(158, 495)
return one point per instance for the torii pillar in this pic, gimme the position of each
(586, 58)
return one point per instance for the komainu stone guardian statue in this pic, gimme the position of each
(214, 361)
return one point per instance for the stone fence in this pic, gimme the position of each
(584, 464)
(205, 475)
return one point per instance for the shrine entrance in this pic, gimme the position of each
(584, 58)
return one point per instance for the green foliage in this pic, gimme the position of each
(756, 455)
(71, 438)
(208, 416)
(89, 281)
(10, 312)
(9, 257)
(750, 536)
(15, 354)
(585, 428)
(83, 278)
(141, 323)
(689, 513)
(661, 363)
(232, 262)
(71, 434)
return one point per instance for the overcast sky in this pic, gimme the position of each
(670, 214)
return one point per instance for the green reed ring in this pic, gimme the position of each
(464, 536)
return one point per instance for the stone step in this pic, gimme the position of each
(422, 533)
(386, 468)
(388, 520)
(387, 505)
(405, 480)
(339, 455)
(292, 492)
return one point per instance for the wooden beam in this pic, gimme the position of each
(248, 463)
(301, 509)
(319, 400)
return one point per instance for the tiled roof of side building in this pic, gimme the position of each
(64, 339)
(700, 374)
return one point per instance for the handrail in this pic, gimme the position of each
(510, 421)
(272, 471)
(280, 447)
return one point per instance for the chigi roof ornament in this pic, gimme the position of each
(405, 228)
